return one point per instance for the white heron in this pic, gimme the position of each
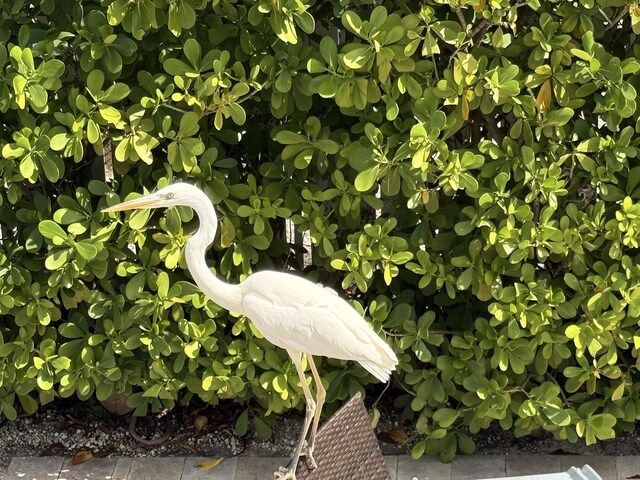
(291, 312)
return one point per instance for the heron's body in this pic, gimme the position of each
(291, 312)
(296, 314)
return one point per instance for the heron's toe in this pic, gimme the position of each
(307, 453)
(309, 460)
(284, 474)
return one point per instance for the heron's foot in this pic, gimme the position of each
(285, 474)
(308, 457)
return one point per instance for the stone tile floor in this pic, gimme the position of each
(472, 467)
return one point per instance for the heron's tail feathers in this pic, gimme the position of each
(382, 373)
(386, 362)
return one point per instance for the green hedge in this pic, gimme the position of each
(466, 171)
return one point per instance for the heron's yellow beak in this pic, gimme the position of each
(148, 201)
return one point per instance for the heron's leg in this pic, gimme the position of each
(290, 471)
(321, 394)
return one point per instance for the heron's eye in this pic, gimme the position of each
(169, 196)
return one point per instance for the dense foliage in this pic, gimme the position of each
(466, 172)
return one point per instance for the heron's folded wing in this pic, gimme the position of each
(325, 326)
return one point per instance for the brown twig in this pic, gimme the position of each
(480, 27)
(618, 17)
(171, 107)
(606, 17)
(107, 160)
(463, 22)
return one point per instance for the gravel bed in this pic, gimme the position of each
(64, 428)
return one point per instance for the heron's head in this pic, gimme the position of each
(169, 196)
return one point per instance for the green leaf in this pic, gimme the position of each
(192, 51)
(446, 416)
(262, 428)
(328, 50)
(57, 259)
(238, 115)
(19, 84)
(176, 67)
(87, 250)
(367, 178)
(136, 285)
(51, 69)
(189, 124)
(284, 82)
(358, 57)
(351, 22)
(37, 95)
(139, 219)
(242, 424)
(95, 80)
(51, 230)
(115, 93)
(559, 117)
(287, 137)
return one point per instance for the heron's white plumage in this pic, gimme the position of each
(299, 315)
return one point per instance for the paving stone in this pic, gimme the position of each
(121, 472)
(425, 468)
(225, 470)
(93, 469)
(518, 465)
(627, 467)
(392, 465)
(258, 468)
(476, 467)
(605, 466)
(34, 468)
(156, 468)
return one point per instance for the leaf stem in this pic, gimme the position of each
(171, 107)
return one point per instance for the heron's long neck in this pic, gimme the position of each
(226, 295)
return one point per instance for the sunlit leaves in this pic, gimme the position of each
(102, 47)
(468, 184)
(30, 81)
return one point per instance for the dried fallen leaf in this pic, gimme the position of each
(81, 457)
(393, 436)
(208, 464)
(200, 422)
